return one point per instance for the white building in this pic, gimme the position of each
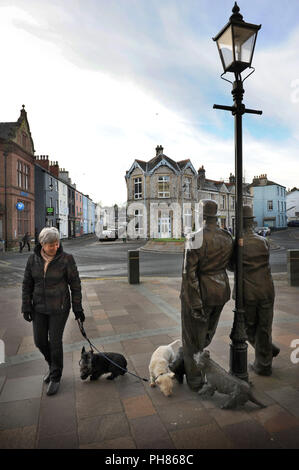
(292, 198)
(63, 209)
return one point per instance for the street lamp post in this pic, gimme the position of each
(236, 42)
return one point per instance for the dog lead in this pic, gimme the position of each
(81, 328)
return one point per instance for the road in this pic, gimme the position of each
(96, 259)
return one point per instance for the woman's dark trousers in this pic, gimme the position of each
(48, 332)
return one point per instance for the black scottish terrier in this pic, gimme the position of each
(94, 365)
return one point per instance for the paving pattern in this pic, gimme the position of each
(127, 413)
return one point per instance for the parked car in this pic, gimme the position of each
(263, 231)
(293, 223)
(107, 235)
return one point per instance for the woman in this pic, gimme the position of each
(46, 300)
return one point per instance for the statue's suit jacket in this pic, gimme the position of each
(258, 283)
(205, 282)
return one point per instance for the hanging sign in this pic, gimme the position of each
(20, 206)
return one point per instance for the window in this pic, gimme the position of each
(137, 188)
(232, 202)
(270, 205)
(163, 186)
(138, 222)
(187, 218)
(57, 206)
(223, 202)
(24, 219)
(23, 175)
(20, 174)
(187, 188)
(278, 206)
(26, 177)
(51, 202)
(278, 190)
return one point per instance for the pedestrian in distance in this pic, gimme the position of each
(25, 240)
(49, 277)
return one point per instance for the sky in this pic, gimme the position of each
(106, 81)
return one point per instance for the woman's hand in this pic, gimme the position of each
(80, 316)
(28, 316)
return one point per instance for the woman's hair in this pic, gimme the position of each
(48, 235)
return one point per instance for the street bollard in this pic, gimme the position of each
(133, 267)
(293, 267)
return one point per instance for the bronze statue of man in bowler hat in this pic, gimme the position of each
(204, 290)
(258, 295)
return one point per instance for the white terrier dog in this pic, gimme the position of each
(158, 368)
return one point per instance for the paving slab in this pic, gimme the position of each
(250, 435)
(22, 388)
(209, 436)
(16, 414)
(18, 438)
(103, 428)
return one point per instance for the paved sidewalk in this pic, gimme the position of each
(127, 413)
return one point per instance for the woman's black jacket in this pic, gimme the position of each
(50, 293)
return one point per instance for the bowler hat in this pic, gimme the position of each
(248, 212)
(209, 208)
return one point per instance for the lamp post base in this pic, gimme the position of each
(238, 360)
(238, 346)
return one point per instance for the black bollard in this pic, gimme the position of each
(293, 267)
(133, 267)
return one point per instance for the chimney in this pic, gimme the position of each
(64, 175)
(232, 178)
(43, 160)
(201, 177)
(159, 150)
(263, 180)
(54, 169)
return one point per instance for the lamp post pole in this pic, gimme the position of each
(238, 346)
(235, 58)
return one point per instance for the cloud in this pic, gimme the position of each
(105, 82)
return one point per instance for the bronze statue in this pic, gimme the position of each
(258, 295)
(239, 391)
(204, 291)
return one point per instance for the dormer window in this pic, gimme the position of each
(187, 188)
(24, 140)
(163, 187)
(137, 188)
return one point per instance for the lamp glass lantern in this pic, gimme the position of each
(236, 42)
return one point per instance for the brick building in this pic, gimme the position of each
(16, 180)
